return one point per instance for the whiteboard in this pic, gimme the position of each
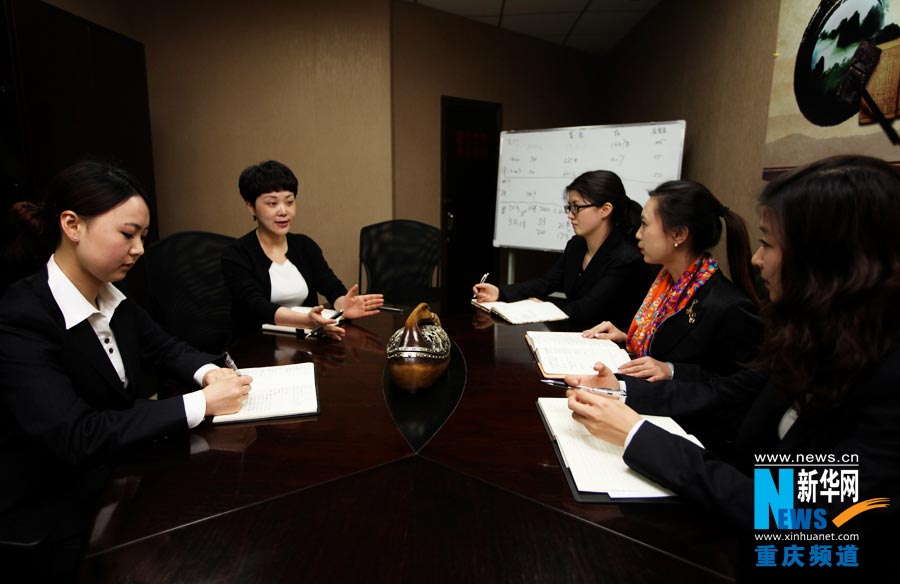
(536, 166)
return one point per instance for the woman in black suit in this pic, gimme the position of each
(71, 349)
(827, 378)
(693, 318)
(271, 272)
(600, 271)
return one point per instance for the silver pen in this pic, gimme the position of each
(482, 281)
(230, 362)
(597, 390)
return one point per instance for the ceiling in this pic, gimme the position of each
(591, 26)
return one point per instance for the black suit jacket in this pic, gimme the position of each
(865, 423)
(611, 288)
(725, 332)
(64, 412)
(246, 270)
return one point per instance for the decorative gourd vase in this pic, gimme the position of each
(419, 353)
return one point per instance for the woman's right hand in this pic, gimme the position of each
(226, 396)
(605, 330)
(331, 330)
(486, 292)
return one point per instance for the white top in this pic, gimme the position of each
(289, 288)
(75, 309)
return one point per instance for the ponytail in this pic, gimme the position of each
(738, 249)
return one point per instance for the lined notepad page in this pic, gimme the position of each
(571, 353)
(597, 466)
(281, 390)
(524, 311)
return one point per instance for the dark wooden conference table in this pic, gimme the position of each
(457, 483)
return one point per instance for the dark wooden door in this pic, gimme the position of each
(470, 133)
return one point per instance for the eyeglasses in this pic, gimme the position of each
(576, 209)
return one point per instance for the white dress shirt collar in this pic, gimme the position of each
(73, 305)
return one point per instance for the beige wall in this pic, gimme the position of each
(233, 83)
(433, 54)
(710, 63)
(348, 92)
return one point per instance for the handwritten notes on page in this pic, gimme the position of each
(276, 392)
(561, 354)
(524, 311)
(597, 466)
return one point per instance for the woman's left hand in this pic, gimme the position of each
(356, 305)
(647, 368)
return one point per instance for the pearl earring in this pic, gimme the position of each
(676, 244)
(75, 239)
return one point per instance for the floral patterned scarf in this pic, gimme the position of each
(664, 299)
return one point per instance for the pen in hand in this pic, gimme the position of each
(230, 362)
(482, 281)
(597, 390)
(317, 332)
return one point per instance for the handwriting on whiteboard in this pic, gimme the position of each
(535, 167)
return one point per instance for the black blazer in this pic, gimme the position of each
(64, 412)
(866, 423)
(611, 288)
(246, 269)
(725, 331)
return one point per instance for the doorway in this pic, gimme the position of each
(470, 146)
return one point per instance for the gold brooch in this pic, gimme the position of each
(692, 316)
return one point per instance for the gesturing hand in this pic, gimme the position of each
(356, 305)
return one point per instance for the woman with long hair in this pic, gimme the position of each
(693, 317)
(826, 381)
(600, 271)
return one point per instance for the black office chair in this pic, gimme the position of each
(400, 259)
(179, 282)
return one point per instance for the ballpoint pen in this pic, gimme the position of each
(597, 390)
(482, 281)
(230, 362)
(317, 332)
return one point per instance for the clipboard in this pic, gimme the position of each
(590, 497)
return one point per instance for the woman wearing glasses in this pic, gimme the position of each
(270, 270)
(826, 379)
(600, 271)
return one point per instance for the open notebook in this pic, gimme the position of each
(279, 391)
(276, 328)
(561, 354)
(523, 311)
(595, 469)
